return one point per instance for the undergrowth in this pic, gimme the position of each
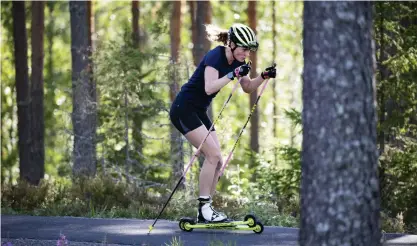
(103, 197)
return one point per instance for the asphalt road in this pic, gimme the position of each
(135, 232)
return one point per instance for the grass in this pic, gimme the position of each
(177, 242)
(102, 197)
(220, 243)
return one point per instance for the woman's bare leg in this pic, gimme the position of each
(219, 165)
(212, 157)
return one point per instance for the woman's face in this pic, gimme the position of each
(241, 53)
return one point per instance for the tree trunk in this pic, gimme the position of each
(383, 75)
(84, 107)
(194, 32)
(93, 91)
(176, 140)
(340, 198)
(22, 88)
(91, 22)
(49, 81)
(200, 14)
(135, 23)
(137, 117)
(204, 13)
(274, 84)
(254, 128)
(254, 121)
(127, 147)
(37, 116)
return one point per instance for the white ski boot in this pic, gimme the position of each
(207, 214)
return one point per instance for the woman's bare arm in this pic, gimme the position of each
(212, 82)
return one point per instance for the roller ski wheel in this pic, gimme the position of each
(186, 224)
(251, 220)
(259, 228)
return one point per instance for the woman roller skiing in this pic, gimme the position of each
(188, 112)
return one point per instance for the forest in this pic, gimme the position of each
(86, 88)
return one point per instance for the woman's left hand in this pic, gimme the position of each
(270, 72)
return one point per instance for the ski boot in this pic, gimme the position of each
(206, 213)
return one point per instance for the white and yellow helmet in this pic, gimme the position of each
(243, 36)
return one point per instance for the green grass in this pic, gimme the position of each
(220, 243)
(177, 242)
(104, 198)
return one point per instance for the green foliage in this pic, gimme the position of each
(294, 116)
(127, 82)
(102, 192)
(8, 97)
(398, 172)
(392, 224)
(278, 182)
(106, 197)
(238, 180)
(395, 38)
(23, 196)
(271, 214)
(282, 181)
(82, 197)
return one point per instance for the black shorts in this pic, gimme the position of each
(186, 117)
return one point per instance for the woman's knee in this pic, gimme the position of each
(214, 157)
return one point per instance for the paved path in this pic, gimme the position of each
(135, 232)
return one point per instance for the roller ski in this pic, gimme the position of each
(208, 218)
(249, 223)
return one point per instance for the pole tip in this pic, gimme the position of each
(150, 229)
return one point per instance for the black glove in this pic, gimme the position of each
(242, 70)
(269, 72)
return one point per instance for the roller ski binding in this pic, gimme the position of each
(208, 218)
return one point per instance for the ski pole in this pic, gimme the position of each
(241, 131)
(194, 156)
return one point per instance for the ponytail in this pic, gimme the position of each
(215, 33)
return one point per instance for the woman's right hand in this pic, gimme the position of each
(242, 70)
